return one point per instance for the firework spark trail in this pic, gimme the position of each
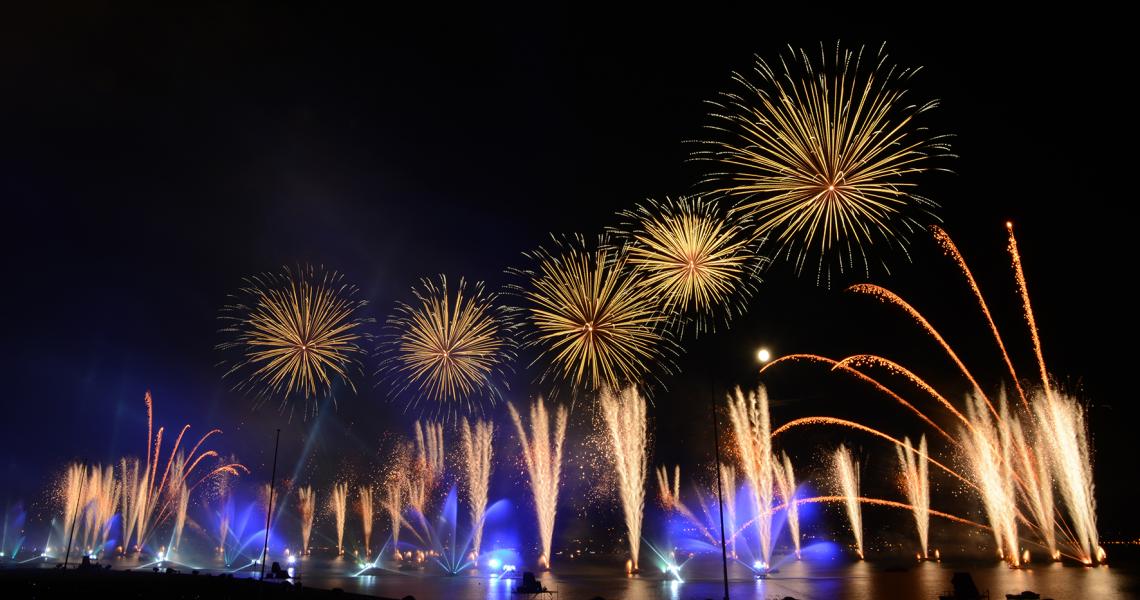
(988, 450)
(670, 493)
(786, 483)
(365, 506)
(477, 437)
(149, 501)
(542, 452)
(843, 366)
(1023, 290)
(893, 367)
(875, 432)
(881, 502)
(1063, 424)
(338, 502)
(847, 473)
(307, 509)
(592, 322)
(916, 484)
(295, 332)
(951, 250)
(698, 262)
(884, 295)
(824, 156)
(1038, 482)
(750, 423)
(451, 347)
(624, 414)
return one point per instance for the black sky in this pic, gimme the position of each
(151, 158)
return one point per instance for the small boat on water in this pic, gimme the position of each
(1026, 595)
(531, 586)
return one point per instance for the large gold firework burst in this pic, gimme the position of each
(823, 155)
(451, 348)
(295, 333)
(593, 322)
(698, 262)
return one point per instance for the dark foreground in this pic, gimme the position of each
(57, 583)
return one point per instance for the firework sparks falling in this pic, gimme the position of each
(294, 334)
(542, 453)
(626, 423)
(847, 473)
(592, 322)
(338, 503)
(824, 155)
(786, 483)
(477, 437)
(752, 427)
(365, 507)
(307, 507)
(916, 483)
(701, 264)
(451, 347)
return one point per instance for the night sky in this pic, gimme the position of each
(149, 161)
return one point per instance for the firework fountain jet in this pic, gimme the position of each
(307, 507)
(750, 423)
(1037, 482)
(428, 470)
(786, 483)
(477, 437)
(366, 518)
(626, 423)
(542, 452)
(847, 473)
(670, 494)
(916, 483)
(1063, 424)
(338, 502)
(989, 451)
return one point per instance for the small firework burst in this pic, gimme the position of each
(294, 334)
(592, 320)
(450, 348)
(701, 264)
(823, 155)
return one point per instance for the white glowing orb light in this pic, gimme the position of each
(292, 559)
(763, 355)
(494, 563)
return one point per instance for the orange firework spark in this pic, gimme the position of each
(884, 295)
(860, 427)
(951, 249)
(1019, 274)
(867, 379)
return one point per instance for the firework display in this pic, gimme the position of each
(294, 334)
(702, 264)
(822, 152)
(451, 348)
(594, 323)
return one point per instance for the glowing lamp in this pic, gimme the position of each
(291, 560)
(494, 563)
(763, 355)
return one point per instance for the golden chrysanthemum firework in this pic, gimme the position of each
(592, 321)
(701, 264)
(295, 333)
(823, 155)
(450, 347)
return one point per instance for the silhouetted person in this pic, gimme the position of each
(276, 572)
